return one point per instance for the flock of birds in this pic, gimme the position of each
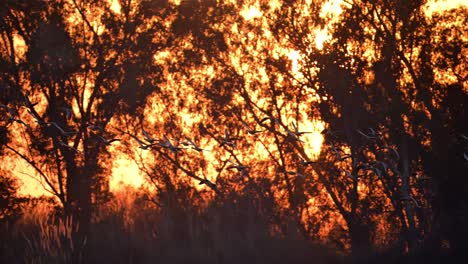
(54, 129)
(227, 140)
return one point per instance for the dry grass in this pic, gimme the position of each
(130, 229)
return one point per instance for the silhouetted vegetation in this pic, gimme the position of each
(266, 132)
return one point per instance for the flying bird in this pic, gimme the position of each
(244, 170)
(349, 175)
(463, 136)
(338, 152)
(68, 112)
(209, 184)
(296, 130)
(167, 144)
(95, 128)
(298, 174)
(141, 144)
(382, 165)
(37, 118)
(194, 146)
(11, 112)
(65, 145)
(305, 162)
(108, 141)
(371, 135)
(250, 130)
(228, 140)
(271, 119)
(148, 137)
(28, 103)
(394, 151)
(292, 135)
(62, 132)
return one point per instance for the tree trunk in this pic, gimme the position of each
(411, 236)
(360, 240)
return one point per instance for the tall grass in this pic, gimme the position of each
(131, 229)
(42, 236)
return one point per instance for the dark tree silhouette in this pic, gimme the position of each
(220, 108)
(73, 79)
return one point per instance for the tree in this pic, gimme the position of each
(73, 80)
(384, 99)
(224, 103)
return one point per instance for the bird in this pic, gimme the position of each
(167, 144)
(37, 118)
(463, 136)
(410, 198)
(250, 130)
(11, 112)
(244, 170)
(12, 117)
(328, 132)
(108, 141)
(338, 152)
(148, 137)
(292, 135)
(382, 164)
(373, 167)
(363, 167)
(28, 103)
(194, 146)
(63, 132)
(465, 156)
(95, 128)
(296, 130)
(378, 172)
(395, 153)
(371, 135)
(17, 120)
(298, 174)
(68, 112)
(141, 144)
(349, 175)
(228, 140)
(208, 183)
(65, 145)
(305, 162)
(272, 119)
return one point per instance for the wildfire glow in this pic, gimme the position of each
(126, 172)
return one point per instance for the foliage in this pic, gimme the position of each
(131, 229)
(247, 126)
